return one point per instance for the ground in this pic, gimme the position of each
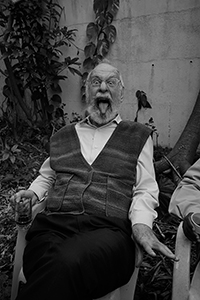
(155, 276)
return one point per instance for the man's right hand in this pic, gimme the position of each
(23, 194)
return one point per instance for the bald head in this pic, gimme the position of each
(105, 69)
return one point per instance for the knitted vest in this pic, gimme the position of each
(105, 186)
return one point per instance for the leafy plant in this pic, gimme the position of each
(76, 117)
(9, 152)
(101, 34)
(152, 126)
(142, 102)
(32, 47)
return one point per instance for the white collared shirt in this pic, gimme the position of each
(92, 140)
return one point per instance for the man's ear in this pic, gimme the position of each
(122, 94)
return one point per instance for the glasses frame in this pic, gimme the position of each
(106, 82)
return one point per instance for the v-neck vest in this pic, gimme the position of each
(104, 187)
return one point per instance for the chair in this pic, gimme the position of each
(125, 292)
(184, 288)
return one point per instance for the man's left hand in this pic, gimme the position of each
(147, 240)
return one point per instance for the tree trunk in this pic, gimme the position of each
(183, 154)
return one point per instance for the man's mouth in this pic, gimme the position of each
(103, 104)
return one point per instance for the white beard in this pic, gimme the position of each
(102, 109)
(102, 114)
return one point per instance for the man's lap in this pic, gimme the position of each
(100, 249)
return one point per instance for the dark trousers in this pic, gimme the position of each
(76, 257)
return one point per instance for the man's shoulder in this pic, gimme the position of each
(65, 129)
(135, 126)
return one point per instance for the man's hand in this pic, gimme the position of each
(147, 240)
(23, 194)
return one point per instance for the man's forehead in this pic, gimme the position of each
(104, 70)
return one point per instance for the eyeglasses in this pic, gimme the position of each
(111, 82)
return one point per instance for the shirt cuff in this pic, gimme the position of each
(39, 192)
(143, 218)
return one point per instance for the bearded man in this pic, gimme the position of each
(101, 192)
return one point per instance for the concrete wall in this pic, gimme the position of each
(157, 50)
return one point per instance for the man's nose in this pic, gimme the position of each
(103, 86)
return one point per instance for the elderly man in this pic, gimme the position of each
(101, 191)
(185, 202)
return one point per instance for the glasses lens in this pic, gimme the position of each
(112, 82)
(96, 82)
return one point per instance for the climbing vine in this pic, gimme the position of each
(101, 34)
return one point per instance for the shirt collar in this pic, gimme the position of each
(116, 120)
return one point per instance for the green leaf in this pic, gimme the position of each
(75, 71)
(56, 98)
(83, 90)
(113, 7)
(100, 6)
(59, 112)
(89, 50)
(83, 97)
(7, 147)
(88, 63)
(111, 33)
(75, 61)
(109, 18)
(5, 156)
(92, 31)
(12, 159)
(101, 20)
(60, 77)
(6, 91)
(14, 148)
(55, 87)
(142, 100)
(5, 55)
(103, 47)
(84, 77)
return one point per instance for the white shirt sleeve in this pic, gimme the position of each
(44, 181)
(145, 192)
(186, 197)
